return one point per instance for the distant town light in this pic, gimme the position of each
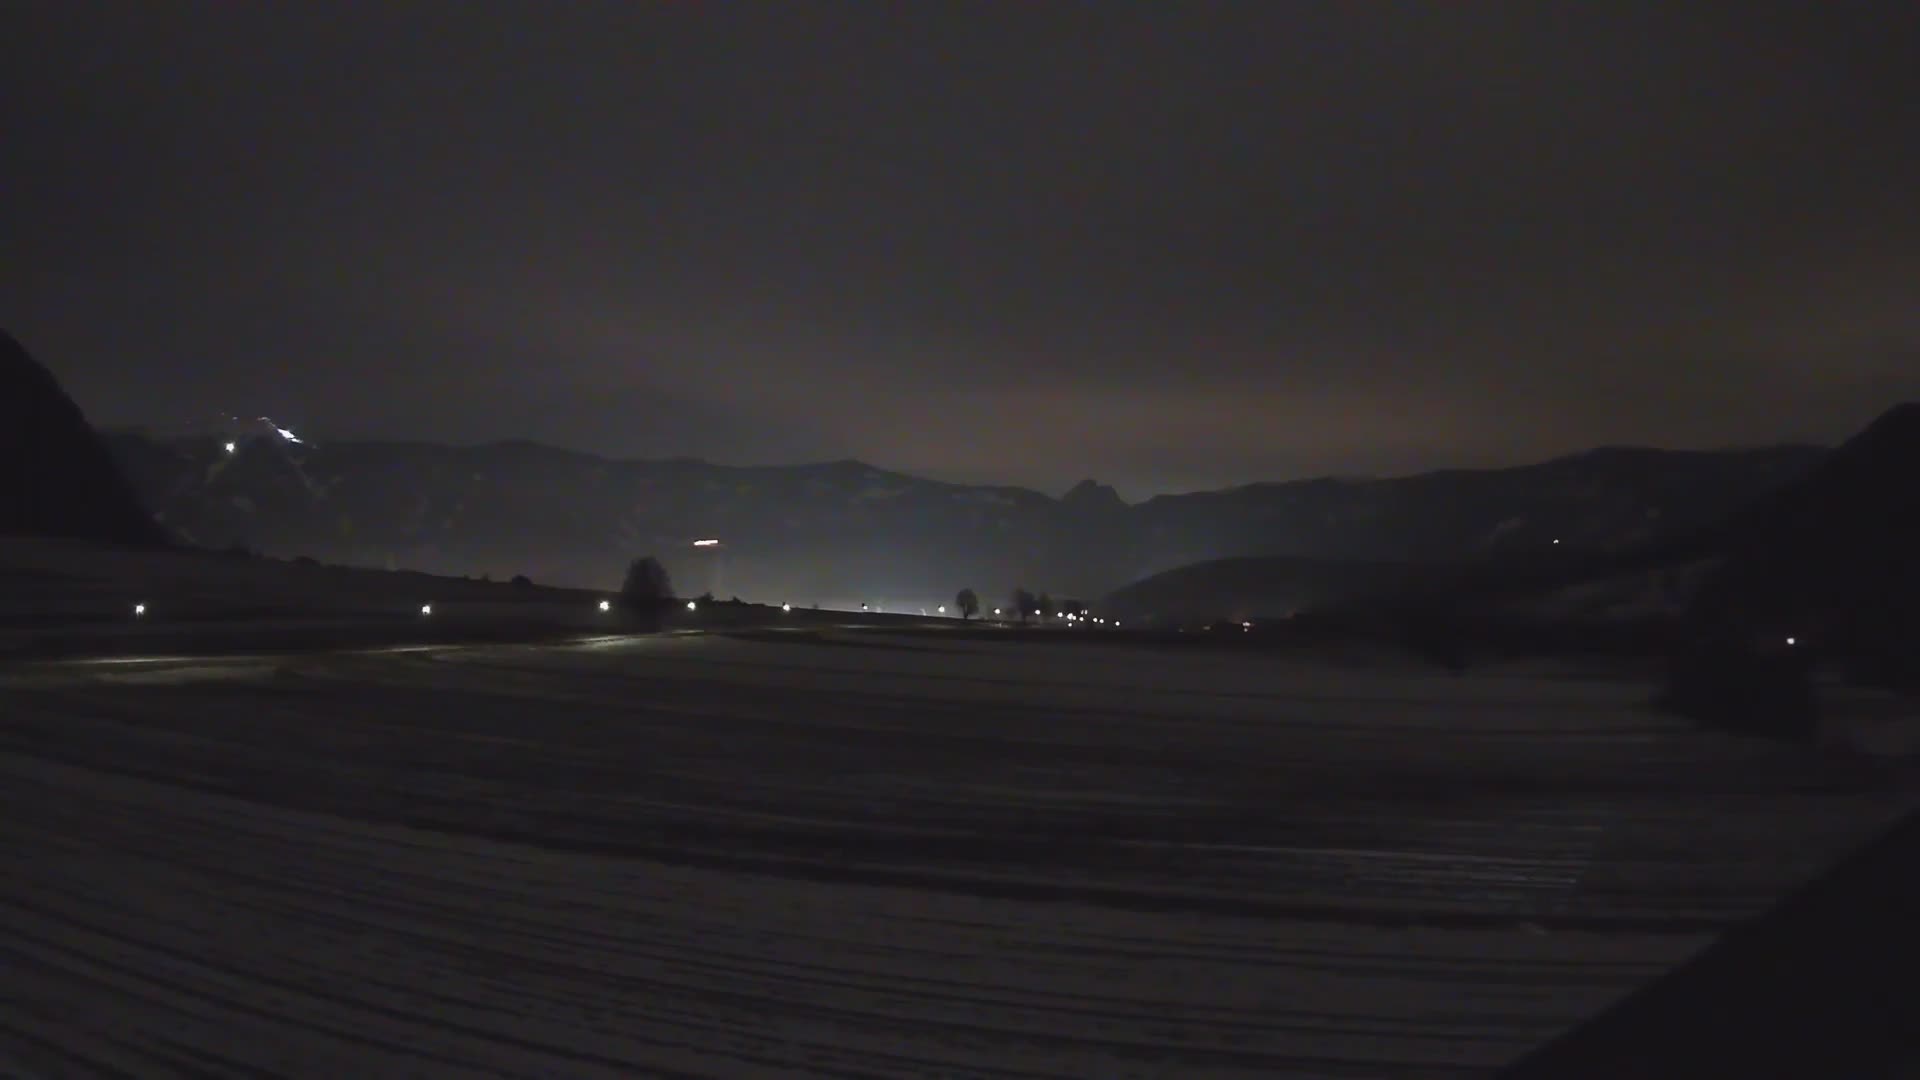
(786, 607)
(1790, 641)
(942, 609)
(706, 543)
(996, 611)
(1556, 539)
(426, 609)
(231, 447)
(606, 605)
(139, 610)
(692, 606)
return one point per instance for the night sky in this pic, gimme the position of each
(1168, 245)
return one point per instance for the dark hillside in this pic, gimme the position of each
(56, 477)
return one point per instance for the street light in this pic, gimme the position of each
(942, 609)
(231, 448)
(706, 543)
(691, 606)
(606, 605)
(426, 609)
(139, 610)
(786, 607)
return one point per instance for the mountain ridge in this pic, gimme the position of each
(148, 433)
(846, 531)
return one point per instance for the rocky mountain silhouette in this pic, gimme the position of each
(846, 532)
(56, 477)
(1093, 497)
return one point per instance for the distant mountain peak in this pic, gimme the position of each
(1092, 495)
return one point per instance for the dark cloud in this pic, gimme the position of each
(1165, 244)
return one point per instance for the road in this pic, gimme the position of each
(828, 853)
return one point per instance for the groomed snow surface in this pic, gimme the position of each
(844, 854)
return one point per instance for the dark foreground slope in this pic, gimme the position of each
(1835, 558)
(56, 477)
(1820, 986)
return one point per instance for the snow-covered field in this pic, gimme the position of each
(837, 854)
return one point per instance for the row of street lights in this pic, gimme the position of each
(1081, 618)
(140, 608)
(711, 543)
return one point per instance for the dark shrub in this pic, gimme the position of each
(1025, 604)
(646, 587)
(522, 581)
